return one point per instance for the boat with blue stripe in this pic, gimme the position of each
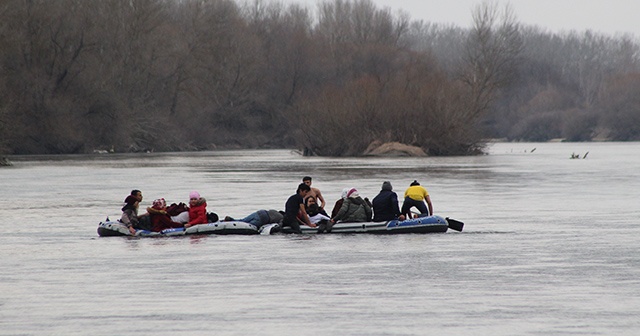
(426, 224)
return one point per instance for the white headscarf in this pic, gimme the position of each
(345, 191)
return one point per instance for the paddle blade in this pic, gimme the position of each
(454, 224)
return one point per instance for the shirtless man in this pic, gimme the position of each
(315, 192)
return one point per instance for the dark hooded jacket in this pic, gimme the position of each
(385, 206)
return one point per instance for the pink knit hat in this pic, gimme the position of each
(353, 192)
(194, 194)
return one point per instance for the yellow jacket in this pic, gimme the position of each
(417, 192)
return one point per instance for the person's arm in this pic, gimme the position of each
(305, 217)
(129, 218)
(428, 199)
(395, 206)
(321, 202)
(299, 219)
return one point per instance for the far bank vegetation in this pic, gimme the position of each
(160, 75)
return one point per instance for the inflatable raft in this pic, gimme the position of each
(427, 224)
(115, 228)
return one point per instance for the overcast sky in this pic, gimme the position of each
(604, 16)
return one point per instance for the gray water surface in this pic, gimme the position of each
(550, 247)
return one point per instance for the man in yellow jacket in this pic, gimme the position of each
(415, 196)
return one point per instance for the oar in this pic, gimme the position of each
(454, 224)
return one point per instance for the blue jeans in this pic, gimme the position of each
(258, 218)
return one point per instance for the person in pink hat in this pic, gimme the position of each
(197, 209)
(353, 209)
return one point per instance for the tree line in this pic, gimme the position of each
(160, 75)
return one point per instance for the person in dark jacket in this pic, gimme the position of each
(385, 205)
(295, 205)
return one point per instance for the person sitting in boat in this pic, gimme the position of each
(415, 196)
(130, 210)
(338, 205)
(160, 219)
(261, 217)
(317, 215)
(315, 212)
(295, 205)
(385, 205)
(353, 209)
(197, 209)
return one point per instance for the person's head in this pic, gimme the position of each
(131, 201)
(309, 200)
(344, 192)
(415, 183)
(353, 193)
(386, 185)
(137, 194)
(307, 180)
(303, 189)
(159, 204)
(194, 197)
(312, 209)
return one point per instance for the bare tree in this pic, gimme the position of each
(157, 74)
(6, 41)
(620, 107)
(42, 69)
(491, 55)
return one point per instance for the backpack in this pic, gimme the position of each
(212, 217)
(367, 209)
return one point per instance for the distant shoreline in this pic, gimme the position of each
(6, 160)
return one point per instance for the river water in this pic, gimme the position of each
(550, 247)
